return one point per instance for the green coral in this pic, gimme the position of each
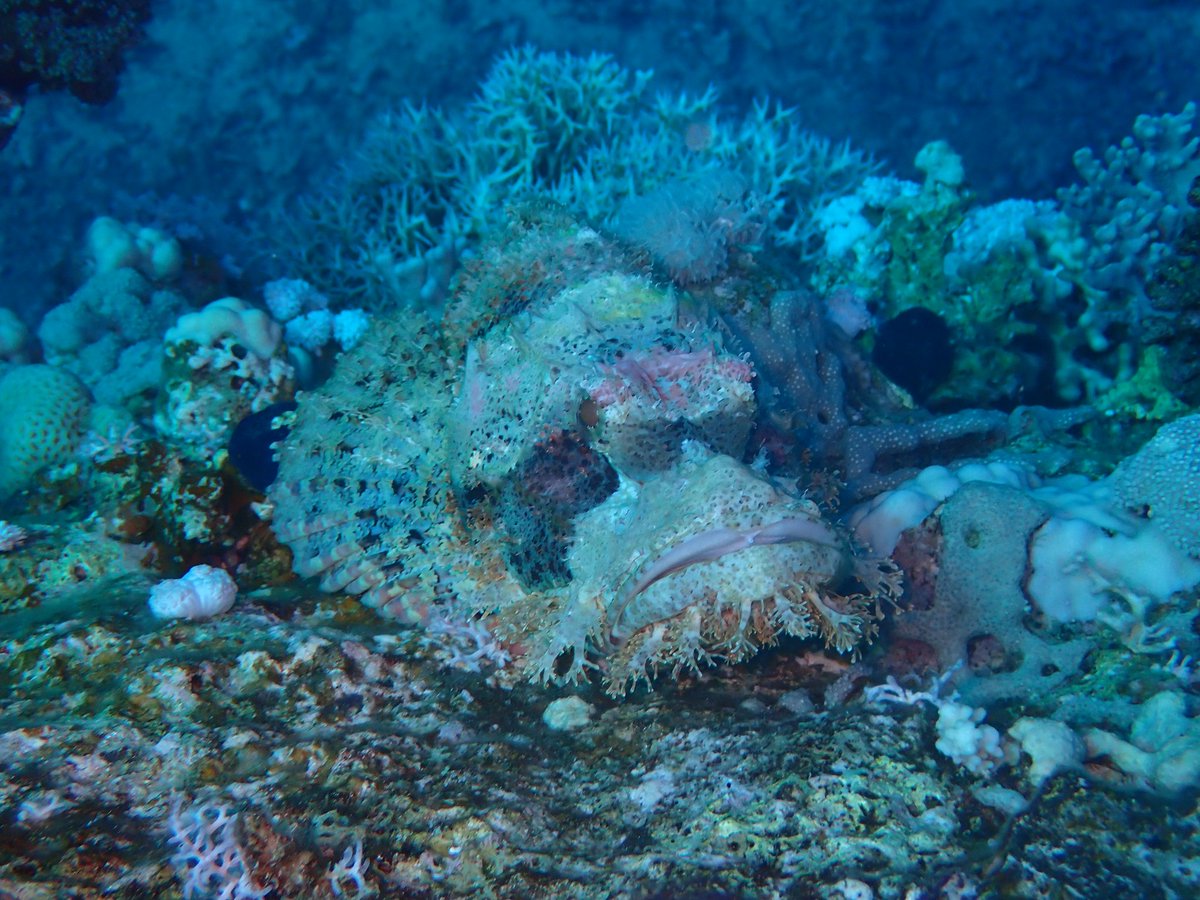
(1144, 395)
(918, 230)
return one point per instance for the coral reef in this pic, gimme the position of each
(1130, 207)
(547, 584)
(1051, 297)
(275, 748)
(77, 46)
(824, 407)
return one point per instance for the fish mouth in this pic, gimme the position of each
(711, 545)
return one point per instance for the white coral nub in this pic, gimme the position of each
(11, 537)
(202, 593)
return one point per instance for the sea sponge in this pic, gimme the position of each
(228, 317)
(203, 592)
(113, 245)
(43, 415)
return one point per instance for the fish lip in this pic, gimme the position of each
(711, 544)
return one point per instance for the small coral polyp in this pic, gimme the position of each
(570, 475)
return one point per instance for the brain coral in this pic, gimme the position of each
(44, 412)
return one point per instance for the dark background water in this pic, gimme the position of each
(228, 107)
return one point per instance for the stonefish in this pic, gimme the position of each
(559, 460)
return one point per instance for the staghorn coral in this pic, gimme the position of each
(427, 184)
(537, 113)
(571, 477)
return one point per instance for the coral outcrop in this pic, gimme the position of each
(44, 413)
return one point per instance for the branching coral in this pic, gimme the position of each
(428, 182)
(1133, 202)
